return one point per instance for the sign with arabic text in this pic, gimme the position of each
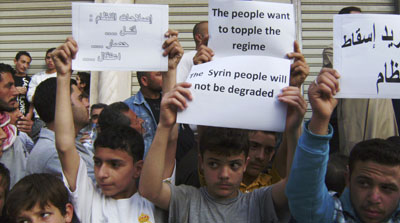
(367, 55)
(124, 37)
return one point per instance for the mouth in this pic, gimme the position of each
(224, 186)
(372, 214)
(105, 186)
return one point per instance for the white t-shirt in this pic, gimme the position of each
(90, 204)
(184, 66)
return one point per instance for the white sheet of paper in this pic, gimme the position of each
(251, 28)
(256, 108)
(125, 37)
(367, 55)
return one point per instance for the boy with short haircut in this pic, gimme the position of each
(118, 153)
(39, 198)
(223, 159)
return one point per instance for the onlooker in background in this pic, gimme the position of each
(200, 36)
(88, 134)
(23, 127)
(83, 81)
(35, 81)
(22, 62)
(12, 151)
(356, 120)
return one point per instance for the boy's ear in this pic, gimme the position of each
(245, 163)
(137, 168)
(69, 212)
(144, 80)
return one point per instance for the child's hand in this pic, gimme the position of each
(299, 70)
(203, 55)
(173, 49)
(172, 101)
(63, 56)
(297, 107)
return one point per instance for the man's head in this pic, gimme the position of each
(39, 198)
(200, 34)
(8, 92)
(22, 62)
(261, 150)
(118, 160)
(350, 10)
(150, 80)
(118, 113)
(374, 179)
(83, 81)
(95, 111)
(223, 159)
(45, 101)
(50, 66)
(4, 186)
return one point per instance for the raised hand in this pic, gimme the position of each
(172, 49)
(297, 107)
(299, 70)
(63, 56)
(203, 55)
(174, 100)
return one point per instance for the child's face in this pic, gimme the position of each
(116, 173)
(223, 174)
(50, 214)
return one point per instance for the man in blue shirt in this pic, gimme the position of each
(373, 184)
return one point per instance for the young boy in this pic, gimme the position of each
(39, 198)
(223, 159)
(118, 153)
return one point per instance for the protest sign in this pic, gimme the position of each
(229, 92)
(366, 55)
(119, 36)
(251, 28)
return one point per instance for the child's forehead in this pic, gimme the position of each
(106, 153)
(209, 155)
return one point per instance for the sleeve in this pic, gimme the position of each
(82, 197)
(179, 203)
(309, 200)
(32, 87)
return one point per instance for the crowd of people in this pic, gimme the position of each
(130, 161)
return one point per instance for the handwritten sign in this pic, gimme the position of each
(367, 55)
(251, 28)
(119, 36)
(228, 92)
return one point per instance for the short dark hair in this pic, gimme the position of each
(196, 28)
(140, 74)
(97, 106)
(6, 68)
(335, 178)
(85, 78)
(5, 178)
(44, 99)
(224, 141)
(376, 150)
(20, 53)
(113, 115)
(349, 9)
(42, 189)
(122, 138)
(49, 51)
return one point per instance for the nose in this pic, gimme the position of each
(374, 196)
(260, 154)
(224, 172)
(103, 172)
(14, 91)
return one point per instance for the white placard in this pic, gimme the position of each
(119, 36)
(251, 28)
(367, 55)
(228, 92)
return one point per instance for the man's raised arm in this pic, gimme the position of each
(309, 200)
(64, 123)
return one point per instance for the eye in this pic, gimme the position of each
(23, 221)
(363, 183)
(212, 164)
(388, 189)
(235, 165)
(97, 162)
(45, 214)
(115, 164)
